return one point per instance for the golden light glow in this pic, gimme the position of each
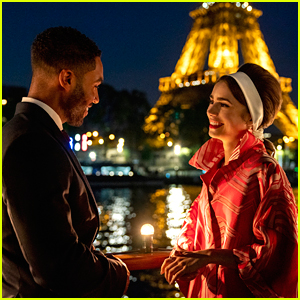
(4, 101)
(101, 141)
(147, 229)
(177, 149)
(219, 41)
(88, 134)
(95, 133)
(111, 137)
(120, 149)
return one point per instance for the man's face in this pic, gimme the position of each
(85, 94)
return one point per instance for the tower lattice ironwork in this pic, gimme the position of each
(219, 31)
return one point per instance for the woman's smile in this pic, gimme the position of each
(214, 124)
(227, 117)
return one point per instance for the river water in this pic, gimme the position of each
(123, 211)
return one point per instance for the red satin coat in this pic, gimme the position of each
(247, 206)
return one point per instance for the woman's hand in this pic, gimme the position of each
(181, 267)
(185, 265)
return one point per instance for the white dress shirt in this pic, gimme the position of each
(47, 109)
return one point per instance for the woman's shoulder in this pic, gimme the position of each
(266, 167)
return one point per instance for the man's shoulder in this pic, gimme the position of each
(24, 131)
(19, 125)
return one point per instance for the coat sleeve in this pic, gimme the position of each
(37, 195)
(269, 266)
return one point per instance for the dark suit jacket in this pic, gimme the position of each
(50, 216)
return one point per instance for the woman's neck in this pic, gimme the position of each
(228, 150)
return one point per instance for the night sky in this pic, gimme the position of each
(140, 42)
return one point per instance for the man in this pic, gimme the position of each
(50, 216)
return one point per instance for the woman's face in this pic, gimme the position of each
(228, 118)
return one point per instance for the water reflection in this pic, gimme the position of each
(115, 211)
(123, 211)
(118, 209)
(178, 202)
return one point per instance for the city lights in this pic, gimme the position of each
(71, 143)
(95, 133)
(111, 137)
(4, 101)
(93, 156)
(177, 149)
(286, 139)
(101, 141)
(120, 145)
(77, 147)
(245, 5)
(84, 143)
(77, 137)
(226, 52)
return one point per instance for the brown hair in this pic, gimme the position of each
(267, 86)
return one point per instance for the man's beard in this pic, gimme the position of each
(75, 106)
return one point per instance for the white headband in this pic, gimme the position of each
(253, 100)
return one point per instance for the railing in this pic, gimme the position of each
(137, 260)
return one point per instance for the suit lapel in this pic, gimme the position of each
(61, 139)
(47, 122)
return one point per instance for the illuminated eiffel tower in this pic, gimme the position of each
(217, 30)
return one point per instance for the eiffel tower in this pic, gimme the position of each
(214, 39)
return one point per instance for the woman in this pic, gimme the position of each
(239, 238)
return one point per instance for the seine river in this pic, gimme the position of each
(123, 211)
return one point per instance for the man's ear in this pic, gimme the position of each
(66, 79)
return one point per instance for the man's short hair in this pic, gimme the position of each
(64, 48)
